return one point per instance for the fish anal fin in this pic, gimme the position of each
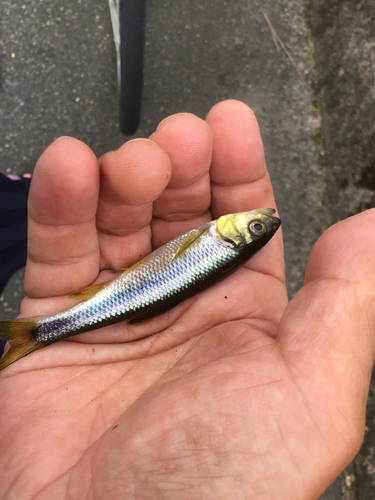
(189, 241)
(86, 293)
(140, 320)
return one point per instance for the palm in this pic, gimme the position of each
(212, 398)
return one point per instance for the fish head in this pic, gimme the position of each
(245, 228)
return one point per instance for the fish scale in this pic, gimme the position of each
(153, 282)
(176, 271)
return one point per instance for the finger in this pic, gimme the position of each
(239, 176)
(63, 251)
(131, 179)
(185, 202)
(327, 332)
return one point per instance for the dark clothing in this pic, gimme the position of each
(13, 228)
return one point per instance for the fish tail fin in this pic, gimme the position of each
(19, 334)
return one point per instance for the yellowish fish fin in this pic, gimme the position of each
(140, 320)
(189, 241)
(128, 269)
(19, 334)
(88, 292)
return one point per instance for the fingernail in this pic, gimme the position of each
(169, 117)
(63, 137)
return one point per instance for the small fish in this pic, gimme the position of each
(174, 272)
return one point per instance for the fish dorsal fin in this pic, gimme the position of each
(88, 292)
(189, 241)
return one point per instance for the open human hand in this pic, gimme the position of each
(232, 394)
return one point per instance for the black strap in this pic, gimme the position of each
(132, 33)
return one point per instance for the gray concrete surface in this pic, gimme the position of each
(57, 77)
(343, 33)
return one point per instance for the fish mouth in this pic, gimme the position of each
(274, 222)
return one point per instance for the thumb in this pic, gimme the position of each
(346, 251)
(328, 329)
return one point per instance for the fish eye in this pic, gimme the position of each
(257, 227)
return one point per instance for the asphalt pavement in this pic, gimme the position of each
(314, 103)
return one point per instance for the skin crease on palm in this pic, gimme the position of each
(234, 393)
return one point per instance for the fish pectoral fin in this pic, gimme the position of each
(127, 270)
(189, 241)
(88, 292)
